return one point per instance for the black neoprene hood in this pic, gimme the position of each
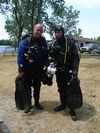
(60, 28)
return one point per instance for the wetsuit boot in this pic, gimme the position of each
(38, 105)
(73, 115)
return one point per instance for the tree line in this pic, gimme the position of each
(22, 15)
(6, 42)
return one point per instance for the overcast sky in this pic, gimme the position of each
(89, 18)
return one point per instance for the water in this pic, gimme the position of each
(6, 48)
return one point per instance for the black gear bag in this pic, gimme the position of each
(74, 96)
(22, 95)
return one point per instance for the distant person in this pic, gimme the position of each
(64, 52)
(32, 58)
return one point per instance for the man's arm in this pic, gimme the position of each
(20, 59)
(46, 56)
(74, 58)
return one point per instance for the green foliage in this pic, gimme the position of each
(22, 15)
(67, 17)
(78, 33)
(98, 38)
(5, 42)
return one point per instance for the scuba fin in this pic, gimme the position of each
(22, 95)
(74, 96)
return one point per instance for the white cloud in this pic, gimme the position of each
(89, 30)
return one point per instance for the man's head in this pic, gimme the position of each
(59, 31)
(37, 30)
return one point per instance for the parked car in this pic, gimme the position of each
(97, 50)
(88, 47)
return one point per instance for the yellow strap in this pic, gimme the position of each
(65, 50)
(53, 46)
(53, 43)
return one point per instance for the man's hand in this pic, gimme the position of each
(74, 77)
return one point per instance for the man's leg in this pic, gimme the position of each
(61, 83)
(63, 103)
(36, 96)
(37, 86)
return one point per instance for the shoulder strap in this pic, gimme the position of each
(53, 43)
(65, 49)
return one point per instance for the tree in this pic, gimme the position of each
(13, 11)
(67, 18)
(22, 15)
(5, 42)
(78, 33)
(98, 38)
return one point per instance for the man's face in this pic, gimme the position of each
(37, 31)
(58, 34)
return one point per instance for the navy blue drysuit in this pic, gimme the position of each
(32, 57)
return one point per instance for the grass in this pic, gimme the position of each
(87, 55)
(7, 57)
(90, 64)
(89, 114)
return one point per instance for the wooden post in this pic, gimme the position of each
(4, 52)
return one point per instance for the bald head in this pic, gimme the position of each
(37, 30)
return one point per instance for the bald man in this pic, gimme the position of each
(31, 60)
(37, 30)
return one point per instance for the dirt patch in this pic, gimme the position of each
(48, 121)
